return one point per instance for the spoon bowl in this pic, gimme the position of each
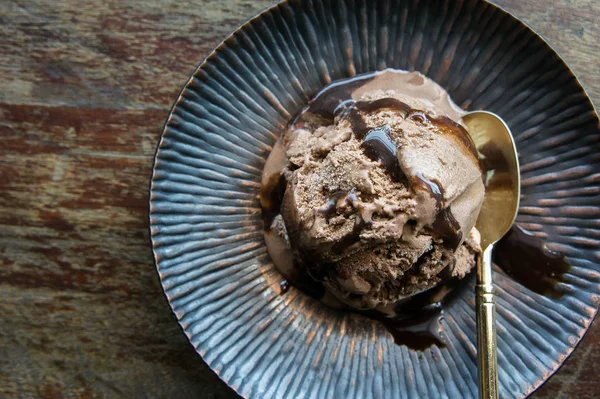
(500, 165)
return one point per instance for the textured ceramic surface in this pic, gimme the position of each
(206, 221)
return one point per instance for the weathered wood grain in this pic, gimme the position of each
(86, 87)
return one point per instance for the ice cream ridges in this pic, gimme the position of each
(374, 191)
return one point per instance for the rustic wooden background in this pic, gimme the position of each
(84, 89)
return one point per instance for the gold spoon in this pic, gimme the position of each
(500, 163)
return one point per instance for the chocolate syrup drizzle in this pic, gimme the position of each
(379, 147)
(417, 321)
(528, 260)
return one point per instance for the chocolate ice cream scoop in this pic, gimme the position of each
(382, 188)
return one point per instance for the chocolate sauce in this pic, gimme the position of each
(357, 121)
(418, 116)
(447, 127)
(290, 266)
(337, 201)
(332, 100)
(284, 285)
(384, 104)
(332, 205)
(416, 321)
(271, 196)
(431, 185)
(309, 285)
(530, 262)
(378, 146)
(491, 158)
(419, 332)
(445, 226)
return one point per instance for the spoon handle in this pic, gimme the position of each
(487, 365)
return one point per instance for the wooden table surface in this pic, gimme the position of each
(85, 87)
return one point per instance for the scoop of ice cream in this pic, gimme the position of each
(383, 190)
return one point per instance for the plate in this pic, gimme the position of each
(206, 222)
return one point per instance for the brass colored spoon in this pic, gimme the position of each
(500, 163)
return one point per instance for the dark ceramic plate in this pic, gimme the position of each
(206, 220)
